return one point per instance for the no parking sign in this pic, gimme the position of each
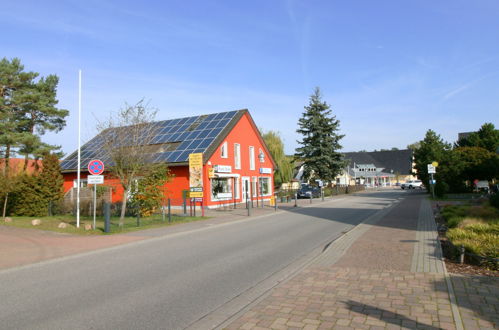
(96, 167)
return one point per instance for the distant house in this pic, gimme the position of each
(16, 165)
(236, 163)
(378, 167)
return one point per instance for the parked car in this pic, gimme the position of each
(307, 191)
(482, 186)
(412, 184)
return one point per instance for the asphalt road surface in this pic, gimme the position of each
(172, 281)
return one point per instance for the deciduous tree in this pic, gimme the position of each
(284, 171)
(126, 140)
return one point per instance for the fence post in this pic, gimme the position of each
(107, 216)
(169, 211)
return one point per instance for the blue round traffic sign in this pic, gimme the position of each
(96, 167)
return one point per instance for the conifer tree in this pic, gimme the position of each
(27, 109)
(320, 143)
(51, 179)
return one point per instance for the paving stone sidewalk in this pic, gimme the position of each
(388, 274)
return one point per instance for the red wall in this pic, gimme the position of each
(243, 133)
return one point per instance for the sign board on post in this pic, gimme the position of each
(431, 169)
(196, 174)
(95, 179)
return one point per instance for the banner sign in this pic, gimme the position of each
(196, 174)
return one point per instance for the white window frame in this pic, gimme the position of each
(237, 156)
(252, 157)
(269, 193)
(237, 187)
(254, 186)
(224, 151)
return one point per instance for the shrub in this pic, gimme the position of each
(494, 200)
(441, 188)
(482, 242)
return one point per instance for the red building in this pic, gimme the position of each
(235, 160)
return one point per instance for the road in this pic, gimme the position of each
(172, 281)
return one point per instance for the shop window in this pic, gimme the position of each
(221, 188)
(83, 183)
(237, 156)
(252, 158)
(264, 184)
(223, 150)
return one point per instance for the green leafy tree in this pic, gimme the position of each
(149, 192)
(51, 179)
(431, 148)
(320, 142)
(477, 163)
(131, 160)
(28, 197)
(414, 146)
(27, 109)
(284, 171)
(15, 84)
(7, 184)
(487, 138)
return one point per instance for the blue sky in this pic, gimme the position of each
(390, 70)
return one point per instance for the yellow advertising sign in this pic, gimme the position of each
(193, 194)
(435, 164)
(196, 173)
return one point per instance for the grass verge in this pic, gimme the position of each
(476, 227)
(130, 224)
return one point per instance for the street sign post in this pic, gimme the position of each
(96, 168)
(432, 169)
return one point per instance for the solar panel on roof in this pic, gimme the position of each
(192, 134)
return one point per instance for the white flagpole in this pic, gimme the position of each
(79, 160)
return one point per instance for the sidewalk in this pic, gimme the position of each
(387, 273)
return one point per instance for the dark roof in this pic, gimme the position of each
(400, 161)
(176, 139)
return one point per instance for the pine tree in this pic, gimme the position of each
(320, 143)
(27, 109)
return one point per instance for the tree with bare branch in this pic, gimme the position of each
(127, 145)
